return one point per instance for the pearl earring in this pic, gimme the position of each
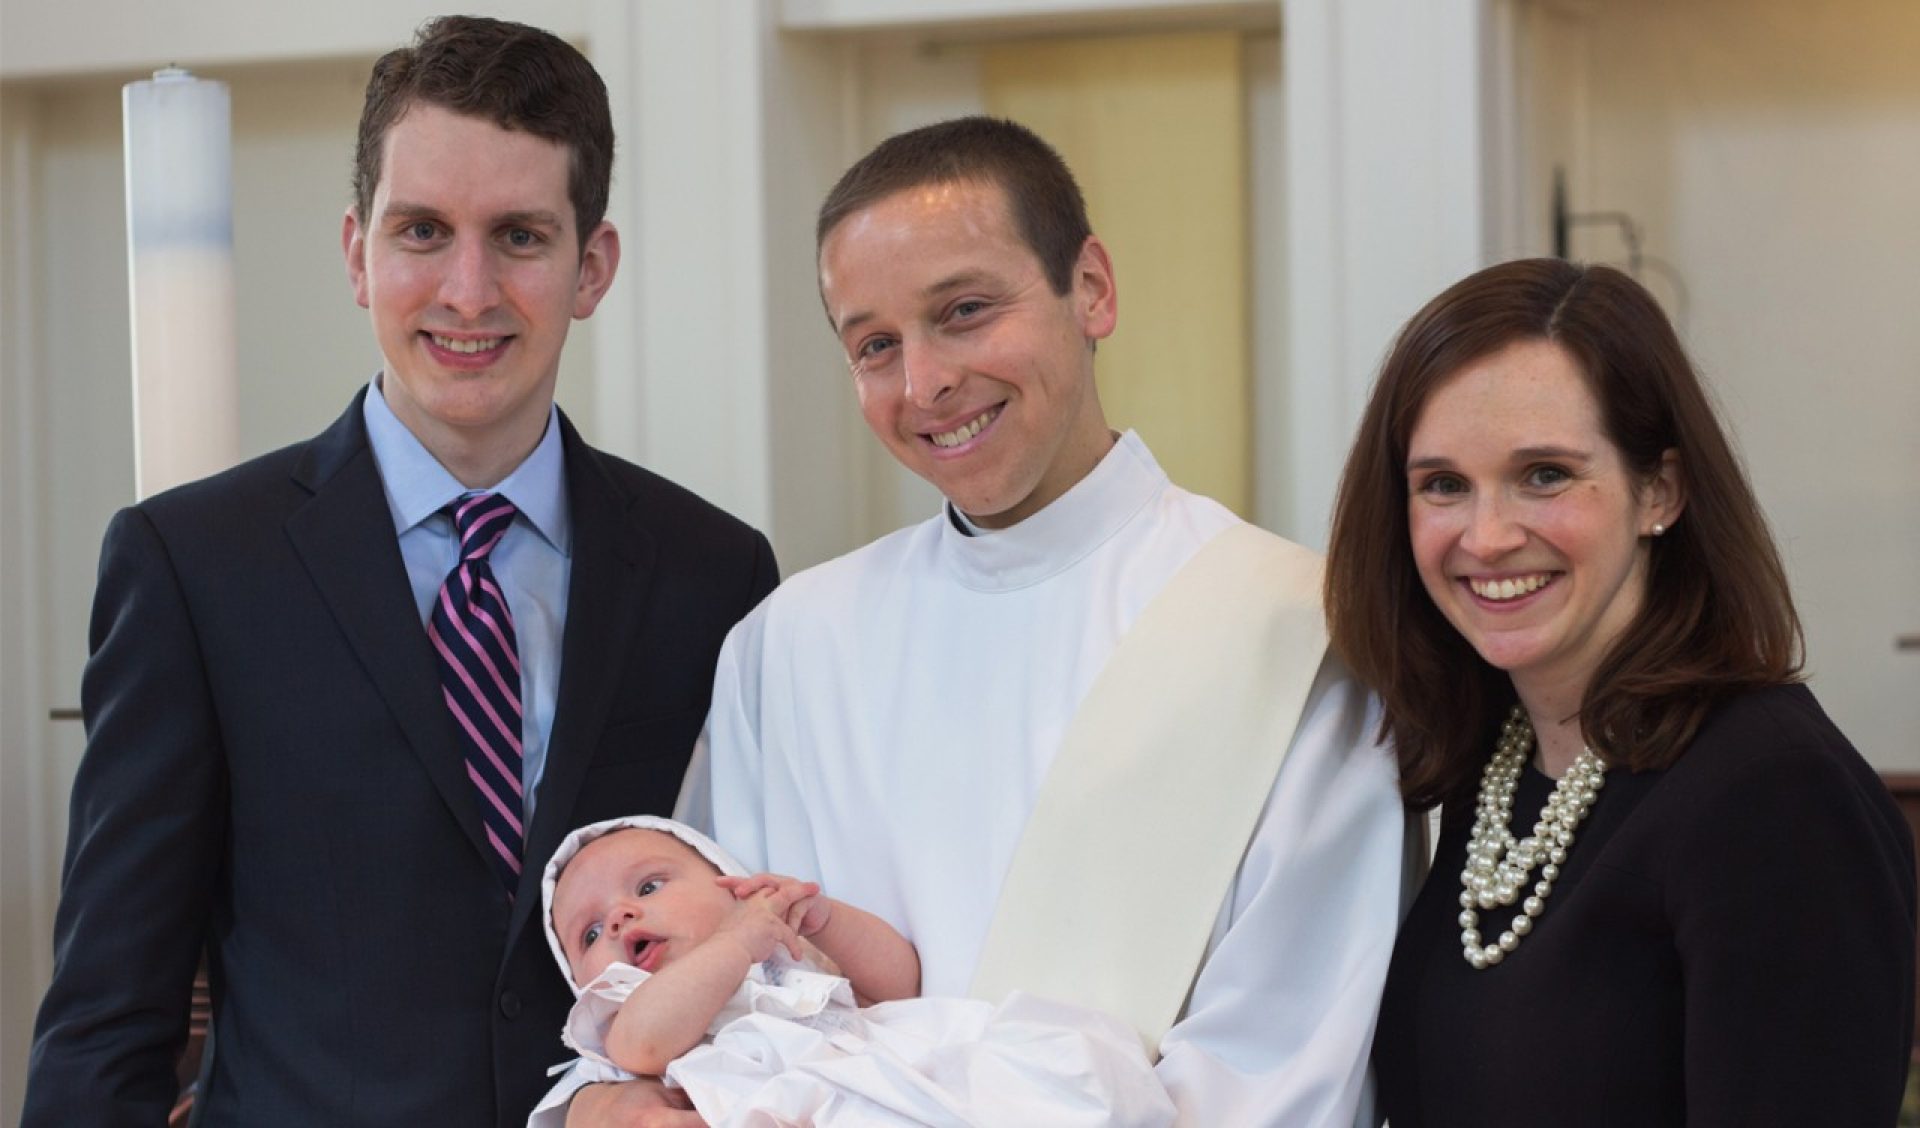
(1659, 530)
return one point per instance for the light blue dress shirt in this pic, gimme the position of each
(533, 561)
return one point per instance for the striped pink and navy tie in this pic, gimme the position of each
(472, 632)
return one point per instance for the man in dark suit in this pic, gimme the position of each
(334, 725)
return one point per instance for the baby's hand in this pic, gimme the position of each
(807, 911)
(759, 926)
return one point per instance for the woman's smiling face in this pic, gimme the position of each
(1528, 529)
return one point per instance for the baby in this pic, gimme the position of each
(770, 1003)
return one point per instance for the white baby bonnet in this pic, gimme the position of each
(573, 843)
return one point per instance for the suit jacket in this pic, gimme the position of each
(271, 773)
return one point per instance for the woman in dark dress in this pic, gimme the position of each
(1667, 890)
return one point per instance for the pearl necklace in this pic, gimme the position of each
(1498, 867)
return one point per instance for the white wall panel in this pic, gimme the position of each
(39, 38)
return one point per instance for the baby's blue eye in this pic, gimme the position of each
(651, 885)
(589, 936)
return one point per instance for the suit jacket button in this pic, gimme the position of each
(509, 1004)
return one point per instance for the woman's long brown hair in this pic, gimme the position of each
(1717, 617)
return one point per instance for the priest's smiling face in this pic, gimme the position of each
(972, 370)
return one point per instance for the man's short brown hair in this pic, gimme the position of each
(1046, 205)
(517, 77)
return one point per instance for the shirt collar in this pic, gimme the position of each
(1062, 534)
(417, 486)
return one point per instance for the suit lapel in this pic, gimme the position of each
(345, 537)
(611, 570)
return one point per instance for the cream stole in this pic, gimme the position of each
(1158, 785)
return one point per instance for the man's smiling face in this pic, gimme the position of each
(473, 270)
(972, 370)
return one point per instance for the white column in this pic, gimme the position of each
(186, 388)
(681, 342)
(1386, 156)
(713, 365)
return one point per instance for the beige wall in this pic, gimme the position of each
(1154, 128)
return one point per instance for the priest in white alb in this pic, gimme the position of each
(1077, 733)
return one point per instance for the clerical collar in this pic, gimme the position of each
(1062, 534)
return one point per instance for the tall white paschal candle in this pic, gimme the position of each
(179, 147)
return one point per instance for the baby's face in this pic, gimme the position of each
(642, 897)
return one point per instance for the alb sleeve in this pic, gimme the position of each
(1280, 1024)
